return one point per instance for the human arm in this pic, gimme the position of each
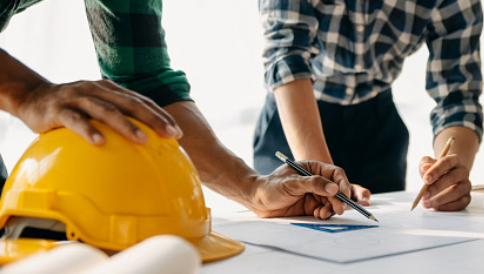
(145, 68)
(43, 105)
(301, 122)
(454, 80)
(289, 32)
(282, 193)
(302, 127)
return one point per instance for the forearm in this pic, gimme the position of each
(301, 121)
(219, 169)
(15, 81)
(465, 145)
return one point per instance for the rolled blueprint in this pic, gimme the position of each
(165, 254)
(70, 258)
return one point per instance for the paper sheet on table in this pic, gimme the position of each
(400, 231)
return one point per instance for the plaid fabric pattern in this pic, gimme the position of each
(130, 46)
(354, 50)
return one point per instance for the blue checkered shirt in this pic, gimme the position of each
(354, 50)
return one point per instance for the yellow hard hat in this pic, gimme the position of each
(115, 195)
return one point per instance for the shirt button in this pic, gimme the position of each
(358, 67)
(360, 28)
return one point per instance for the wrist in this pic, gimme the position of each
(11, 97)
(250, 194)
(14, 94)
(320, 155)
(17, 82)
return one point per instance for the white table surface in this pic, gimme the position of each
(465, 257)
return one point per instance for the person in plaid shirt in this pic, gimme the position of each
(330, 65)
(138, 81)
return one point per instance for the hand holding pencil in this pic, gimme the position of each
(446, 180)
(338, 195)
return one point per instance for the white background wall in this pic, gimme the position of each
(218, 44)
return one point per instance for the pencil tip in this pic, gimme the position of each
(373, 218)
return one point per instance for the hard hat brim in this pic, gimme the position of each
(215, 246)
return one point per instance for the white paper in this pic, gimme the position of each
(400, 231)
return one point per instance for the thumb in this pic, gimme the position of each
(425, 163)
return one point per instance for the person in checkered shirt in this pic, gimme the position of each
(330, 65)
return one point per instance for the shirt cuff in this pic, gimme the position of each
(164, 88)
(467, 115)
(288, 69)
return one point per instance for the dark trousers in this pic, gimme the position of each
(369, 141)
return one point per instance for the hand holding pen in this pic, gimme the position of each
(338, 195)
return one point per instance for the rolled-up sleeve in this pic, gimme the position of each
(454, 78)
(131, 49)
(289, 29)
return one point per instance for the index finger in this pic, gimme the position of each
(318, 185)
(441, 167)
(141, 108)
(337, 176)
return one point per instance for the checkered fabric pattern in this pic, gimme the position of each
(354, 49)
(130, 45)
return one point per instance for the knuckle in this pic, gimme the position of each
(446, 161)
(87, 85)
(70, 92)
(425, 160)
(132, 100)
(366, 192)
(340, 171)
(466, 200)
(106, 81)
(456, 159)
(70, 115)
(431, 189)
(461, 189)
(108, 108)
(467, 187)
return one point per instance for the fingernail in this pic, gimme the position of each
(429, 179)
(179, 129)
(327, 215)
(331, 188)
(141, 136)
(97, 138)
(171, 130)
(345, 206)
(427, 194)
(426, 204)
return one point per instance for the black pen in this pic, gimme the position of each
(338, 195)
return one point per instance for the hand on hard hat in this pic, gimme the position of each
(286, 193)
(71, 105)
(112, 196)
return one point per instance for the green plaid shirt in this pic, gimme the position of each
(130, 45)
